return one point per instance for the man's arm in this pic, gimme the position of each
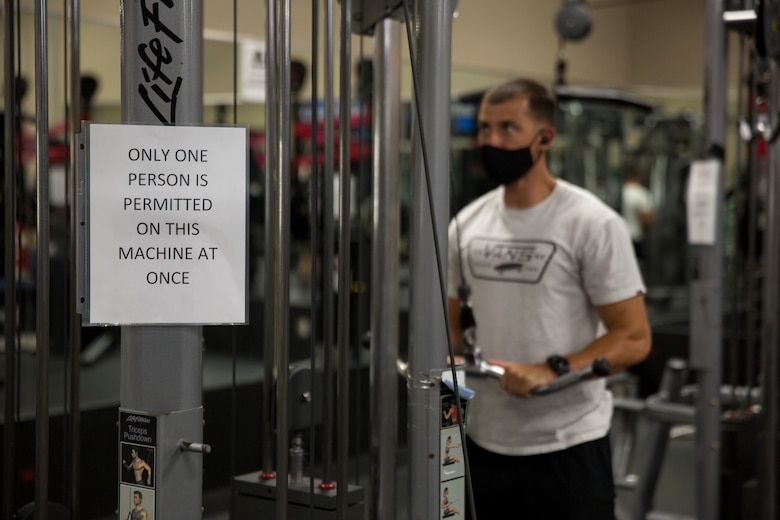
(148, 469)
(453, 309)
(626, 343)
(628, 338)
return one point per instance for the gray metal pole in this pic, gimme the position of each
(427, 317)
(384, 273)
(770, 332)
(74, 350)
(327, 254)
(10, 162)
(271, 210)
(706, 304)
(162, 367)
(42, 267)
(345, 242)
(281, 253)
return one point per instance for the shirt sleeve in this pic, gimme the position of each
(453, 260)
(610, 272)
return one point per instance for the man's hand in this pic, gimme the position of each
(520, 379)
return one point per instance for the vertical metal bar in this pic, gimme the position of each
(10, 163)
(427, 317)
(327, 254)
(271, 210)
(281, 252)
(706, 310)
(771, 335)
(314, 205)
(74, 350)
(345, 242)
(42, 267)
(384, 274)
(162, 367)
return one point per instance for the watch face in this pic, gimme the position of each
(559, 364)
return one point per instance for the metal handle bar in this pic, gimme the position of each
(599, 368)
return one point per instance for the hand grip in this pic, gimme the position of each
(599, 368)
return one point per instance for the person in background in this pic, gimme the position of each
(551, 275)
(637, 209)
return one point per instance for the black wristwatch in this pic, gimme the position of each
(559, 364)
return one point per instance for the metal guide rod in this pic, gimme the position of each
(433, 21)
(771, 334)
(344, 281)
(328, 172)
(384, 274)
(10, 163)
(42, 267)
(281, 252)
(162, 366)
(74, 349)
(314, 223)
(706, 305)
(271, 210)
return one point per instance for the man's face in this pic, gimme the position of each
(507, 125)
(136, 499)
(133, 454)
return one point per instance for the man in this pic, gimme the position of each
(137, 465)
(137, 513)
(550, 272)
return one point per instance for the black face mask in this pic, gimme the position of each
(506, 166)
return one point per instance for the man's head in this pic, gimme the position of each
(516, 125)
(541, 103)
(133, 453)
(137, 497)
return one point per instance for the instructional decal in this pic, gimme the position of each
(138, 464)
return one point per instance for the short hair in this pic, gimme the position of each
(541, 103)
(139, 494)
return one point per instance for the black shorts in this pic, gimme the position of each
(571, 484)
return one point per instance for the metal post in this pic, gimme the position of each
(281, 252)
(327, 254)
(706, 304)
(10, 160)
(271, 210)
(771, 335)
(42, 263)
(427, 317)
(345, 242)
(162, 366)
(384, 277)
(74, 350)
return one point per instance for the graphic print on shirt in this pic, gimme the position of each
(522, 261)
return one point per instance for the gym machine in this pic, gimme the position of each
(735, 424)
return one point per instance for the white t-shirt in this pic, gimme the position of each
(636, 201)
(536, 276)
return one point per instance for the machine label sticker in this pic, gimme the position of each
(452, 465)
(137, 465)
(522, 261)
(167, 225)
(453, 498)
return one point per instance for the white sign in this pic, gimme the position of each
(253, 71)
(702, 202)
(167, 220)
